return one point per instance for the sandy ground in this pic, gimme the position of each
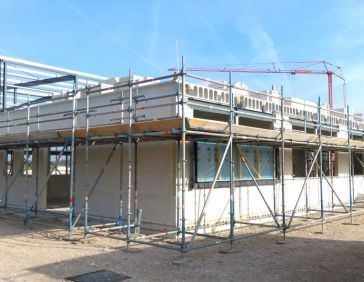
(33, 254)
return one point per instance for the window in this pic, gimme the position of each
(298, 160)
(358, 164)
(310, 158)
(10, 162)
(302, 161)
(62, 167)
(208, 157)
(329, 163)
(326, 163)
(28, 159)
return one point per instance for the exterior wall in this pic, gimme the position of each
(342, 160)
(17, 192)
(250, 205)
(156, 182)
(105, 199)
(58, 188)
(156, 164)
(156, 170)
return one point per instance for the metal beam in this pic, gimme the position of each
(34, 65)
(46, 81)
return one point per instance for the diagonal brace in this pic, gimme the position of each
(257, 185)
(332, 188)
(203, 212)
(98, 178)
(360, 161)
(303, 186)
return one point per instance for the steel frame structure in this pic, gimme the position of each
(185, 238)
(24, 81)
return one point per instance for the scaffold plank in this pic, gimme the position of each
(193, 124)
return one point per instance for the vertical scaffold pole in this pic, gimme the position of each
(85, 222)
(4, 86)
(135, 196)
(6, 178)
(352, 180)
(306, 186)
(282, 166)
(274, 182)
(73, 157)
(178, 188)
(26, 160)
(183, 167)
(331, 168)
(135, 180)
(87, 148)
(320, 162)
(231, 151)
(1, 77)
(120, 217)
(130, 161)
(349, 163)
(37, 181)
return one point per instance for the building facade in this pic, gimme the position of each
(117, 143)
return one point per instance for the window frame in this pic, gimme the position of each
(9, 163)
(54, 152)
(299, 172)
(356, 163)
(240, 172)
(330, 163)
(28, 166)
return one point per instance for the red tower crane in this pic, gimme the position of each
(314, 67)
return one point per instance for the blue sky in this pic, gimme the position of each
(109, 37)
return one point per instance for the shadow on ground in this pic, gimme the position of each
(306, 255)
(260, 259)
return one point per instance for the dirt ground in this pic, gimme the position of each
(34, 254)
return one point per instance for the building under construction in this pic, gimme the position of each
(179, 156)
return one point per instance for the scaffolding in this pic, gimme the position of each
(130, 128)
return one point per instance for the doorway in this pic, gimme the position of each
(58, 184)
